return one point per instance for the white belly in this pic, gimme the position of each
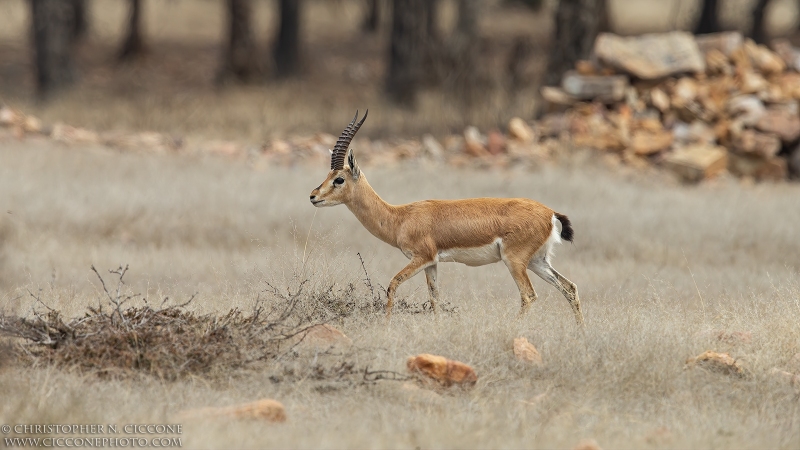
(473, 256)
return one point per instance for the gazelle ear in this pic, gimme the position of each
(351, 161)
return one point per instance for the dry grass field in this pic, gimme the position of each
(656, 264)
(662, 269)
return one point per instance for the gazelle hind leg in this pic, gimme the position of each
(542, 268)
(433, 285)
(520, 274)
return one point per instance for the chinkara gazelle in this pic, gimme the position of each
(476, 231)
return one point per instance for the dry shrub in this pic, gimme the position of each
(168, 342)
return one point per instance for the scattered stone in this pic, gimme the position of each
(73, 135)
(474, 143)
(755, 166)
(748, 109)
(322, 336)
(644, 142)
(763, 58)
(726, 42)
(587, 444)
(781, 122)
(651, 56)
(751, 142)
(519, 130)
(442, 370)
(787, 52)
(697, 162)
(265, 409)
(610, 88)
(525, 351)
(496, 142)
(718, 362)
(432, 147)
(660, 99)
(557, 96)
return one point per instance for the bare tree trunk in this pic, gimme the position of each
(239, 57)
(759, 29)
(80, 23)
(577, 24)
(407, 50)
(463, 47)
(133, 46)
(372, 19)
(709, 18)
(52, 22)
(287, 46)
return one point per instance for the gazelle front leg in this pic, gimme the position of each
(433, 285)
(417, 263)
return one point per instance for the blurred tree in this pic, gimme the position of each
(133, 45)
(408, 46)
(239, 56)
(463, 50)
(372, 18)
(709, 18)
(53, 26)
(287, 46)
(577, 24)
(759, 29)
(80, 23)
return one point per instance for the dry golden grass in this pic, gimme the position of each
(657, 265)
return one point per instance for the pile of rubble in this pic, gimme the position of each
(695, 105)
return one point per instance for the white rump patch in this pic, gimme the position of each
(473, 256)
(546, 252)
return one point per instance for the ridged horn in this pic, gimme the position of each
(340, 149)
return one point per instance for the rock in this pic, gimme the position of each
(586, 67)
(444, 371)
(519, 130)
(697, 162)
(718, 362)
(32, 125)
(757, 167)
(644, 142)
(322, 336)
(432, 147)
(587, 444)
(684, 92)
(751, 142)
(557, 96)
(651, 56)
(781, 122)
(659, 99)
(525, 351)
(726, 42)
(264, 409)
(496, 142)
(746, 108)
(794, 363)
(788, 53)
(752, 83)
(9, 117)
(474, 143)
(595, 87)
(73, 135)
(763, 58)
(717, 63)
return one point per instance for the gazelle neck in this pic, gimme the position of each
(377, 216)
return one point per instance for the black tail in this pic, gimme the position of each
(566, 227)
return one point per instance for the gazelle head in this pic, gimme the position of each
(338, 187)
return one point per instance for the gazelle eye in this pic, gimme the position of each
(338, 181)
